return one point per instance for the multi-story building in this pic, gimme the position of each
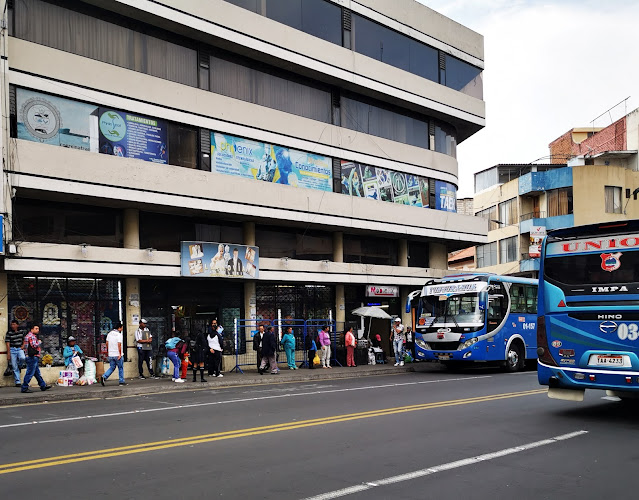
(599, 183)
(317, 138)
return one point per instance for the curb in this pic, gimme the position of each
(97, 392)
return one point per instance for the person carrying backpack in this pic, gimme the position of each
(288, 343)
(174, 346)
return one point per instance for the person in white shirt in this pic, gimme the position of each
(398, 337)
(214, 339)
(114, 351)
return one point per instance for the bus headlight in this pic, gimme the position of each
(468, 343)
(422, 344)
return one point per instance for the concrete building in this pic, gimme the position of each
(596, 183)
(317, 138)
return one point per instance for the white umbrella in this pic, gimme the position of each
(371, 312)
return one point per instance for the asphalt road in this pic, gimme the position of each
(473, 435)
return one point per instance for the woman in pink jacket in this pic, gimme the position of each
(349, 340)
(325, 343)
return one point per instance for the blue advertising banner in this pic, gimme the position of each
(54, 120)
(384, 185)
(219, 260)
(445, 196)
(133, 136)
(266, 162)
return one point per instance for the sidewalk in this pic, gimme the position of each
(12, 395)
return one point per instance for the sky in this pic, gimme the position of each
(549, 66)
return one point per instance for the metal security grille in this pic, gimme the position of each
(295, 301)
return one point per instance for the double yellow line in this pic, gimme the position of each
(219, 436)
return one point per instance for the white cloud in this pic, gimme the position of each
(550, 66)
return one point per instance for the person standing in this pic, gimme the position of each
(143, 341)
(288, 343)
(349, 340)
(257, 345)
(325, 343)
(269, 346)
(410, 341)
(15, 354)
(199, 350)
(214, 341)
(172, 349)
(32, 345)
(398, 337)
(311, 348)
(114, 351)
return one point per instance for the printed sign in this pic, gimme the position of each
(382, 291)
(269, 163)
(133, 136)
(445, 196)
(607, 243)
(219, 260)
(53, 120)
(536, 237)
(455, 288)
(377, 183)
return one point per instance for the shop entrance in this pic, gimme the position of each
(186, 307)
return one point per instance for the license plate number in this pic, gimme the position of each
(444, 357)
(609, 360)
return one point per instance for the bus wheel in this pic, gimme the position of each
(514, 359)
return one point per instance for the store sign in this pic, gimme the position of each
(219, 260)
(133, 136)
(536, 237)
(382, 291)
(269, 163)
(445, 196)
(376, 183)
(54, 120)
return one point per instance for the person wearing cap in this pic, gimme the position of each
(71, 350)
(398, 337)
(143, 339)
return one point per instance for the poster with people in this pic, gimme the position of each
(219, 260)
(249, 159)
(49, 119)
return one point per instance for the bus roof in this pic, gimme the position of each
(628, 226)
(490, 277)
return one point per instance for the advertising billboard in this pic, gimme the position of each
(219, 260)
(249, 159)
(445, 196)
(537, 234)
(133, 136)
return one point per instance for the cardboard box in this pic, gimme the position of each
(66, 374)
(65, 382)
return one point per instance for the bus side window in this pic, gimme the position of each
(497, 306)
(517, 299)
(531, 299)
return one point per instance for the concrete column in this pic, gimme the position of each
(248, 228)
(340, 305)
(437, 256)
(338, 246)
(131, 228)
(133, 308)
(402, 252)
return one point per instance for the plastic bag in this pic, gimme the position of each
(89, 371)
(71, 368)
(165, 366)
(77, 361)
(316, 360)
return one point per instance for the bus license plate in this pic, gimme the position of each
(609, 360)
(444, 357)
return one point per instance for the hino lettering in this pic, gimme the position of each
(610, 316)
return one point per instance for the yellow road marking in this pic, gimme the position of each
(218, 436)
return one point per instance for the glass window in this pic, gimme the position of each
(183, 150)
(252, 5)
(322, 19)
(612, 199)
(508, 213)
(445, 140)
(424, 60)
(531, 299)
(418, 254)
(370, 250)
(287, 12)
(90, 36)
(381, 43)
(518, 298)
(294, 243)
(559, 201)
(508, 250)
(487, 255)
(466, 78)
(490, 214)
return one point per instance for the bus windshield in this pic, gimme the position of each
(586, 269)
(460, 310)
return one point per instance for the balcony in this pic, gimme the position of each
(528, 221)
(528, 263)
(537, 182)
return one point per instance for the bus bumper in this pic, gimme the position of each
(561, 377)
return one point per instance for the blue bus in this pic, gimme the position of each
(474, 318)
(588, 328)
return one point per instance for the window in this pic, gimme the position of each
(508, 213)
(445, 140)
(613, 199)
(382, 122)
(89, 36)
(518, 298)
(464, 77)
(315, 17)
(487, 255)
(559, 201)
(370, 250)
(182, 145)
(531, 299)
(508, 250)
(268, 87)
(497, 306)
(418, 254)
(490, 214)
(294, 243)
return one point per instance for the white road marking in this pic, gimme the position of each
(443, 467)
(242, 400)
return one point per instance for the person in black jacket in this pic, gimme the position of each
(257, 345)
(269, 345)
(311, 348)
(199, 351)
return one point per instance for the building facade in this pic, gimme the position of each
(151, 145)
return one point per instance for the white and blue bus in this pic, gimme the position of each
(474, 318)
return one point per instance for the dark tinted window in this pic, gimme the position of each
(463, 77)
(424, 60)
(252, 5)
(417, 254)
(445, 140)
(182, 145)
(587, 269)
(381, 43)
(294, 243)
(287, 12)
(368, 250)
(323, 20)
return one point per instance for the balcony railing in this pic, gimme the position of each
(532, 215)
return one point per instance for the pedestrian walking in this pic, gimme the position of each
(257, 345)
(311, 348)
(199, 350)
(398, 337)
(349, 340)
(32, 345)
(325, 343)
(15, 354)
(173, 346)
(143, 342)
(288, 343)
(114, 352)
(214, 342)
(269, 346)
